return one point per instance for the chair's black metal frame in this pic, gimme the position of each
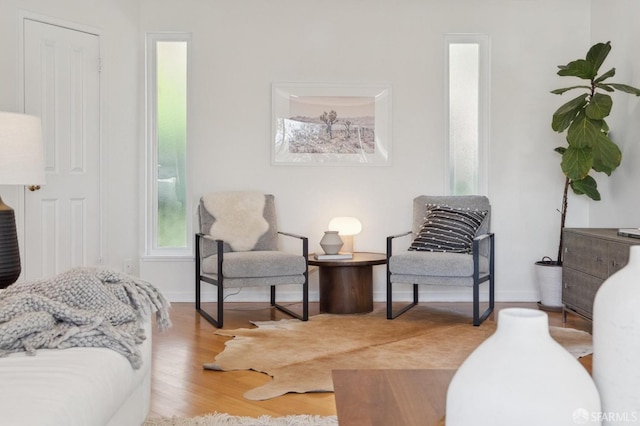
(477, 279)
(219, 283)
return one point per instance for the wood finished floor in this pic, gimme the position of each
(181, 387)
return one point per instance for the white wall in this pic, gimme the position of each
(241, 47)
(620, 202)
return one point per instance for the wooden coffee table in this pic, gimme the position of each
(346, 285)
(391, 397)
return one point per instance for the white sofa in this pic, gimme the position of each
(104, 377)
(76, 386)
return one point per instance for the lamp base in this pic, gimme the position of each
(9, 249)
(348, 243)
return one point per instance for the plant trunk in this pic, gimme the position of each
(563, 217)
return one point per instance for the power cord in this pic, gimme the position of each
(232, 294)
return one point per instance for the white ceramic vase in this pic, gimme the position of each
(616, 343)
(331, 242)
(521, 376)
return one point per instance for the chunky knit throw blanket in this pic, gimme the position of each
(84, 307)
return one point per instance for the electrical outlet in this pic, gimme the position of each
(127, 266)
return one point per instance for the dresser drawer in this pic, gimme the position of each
(586, 254)
(618, 257)
(579, 290)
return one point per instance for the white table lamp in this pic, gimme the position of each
(347, 227)
(21, 163)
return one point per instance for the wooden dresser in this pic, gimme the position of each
(590, 256)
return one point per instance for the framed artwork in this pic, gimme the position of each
(328, 125)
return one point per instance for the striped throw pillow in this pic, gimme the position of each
(448, 229)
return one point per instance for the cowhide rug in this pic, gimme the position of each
(299, 356)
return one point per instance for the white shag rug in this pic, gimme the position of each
(222, 419)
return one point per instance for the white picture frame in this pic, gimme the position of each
(331, 124)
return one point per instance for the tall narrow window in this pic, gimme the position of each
(468, 59)
(167, 205)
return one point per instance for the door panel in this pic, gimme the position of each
(62, 86)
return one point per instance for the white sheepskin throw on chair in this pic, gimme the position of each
(239, 218)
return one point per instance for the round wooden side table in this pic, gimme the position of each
(346, 285)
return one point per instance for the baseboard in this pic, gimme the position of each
(245, 295)
(456, 294)
(426, 294)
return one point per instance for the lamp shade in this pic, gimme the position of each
(21, 150)
(345, 225)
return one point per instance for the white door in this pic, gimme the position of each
(62, 86)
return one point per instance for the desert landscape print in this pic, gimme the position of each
(329, 125)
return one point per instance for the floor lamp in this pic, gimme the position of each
(21, 163)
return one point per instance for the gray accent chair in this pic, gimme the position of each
(444, 269)
(217, 264)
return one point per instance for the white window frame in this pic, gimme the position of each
(484, 103)
(151, 154)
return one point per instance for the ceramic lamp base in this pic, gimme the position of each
(9, 250)
(331, 242)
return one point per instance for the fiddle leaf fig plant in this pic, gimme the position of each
(589, 147)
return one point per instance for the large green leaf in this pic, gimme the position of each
(566, 89)
(587, 186)
(576, 162)
(605, 76)
(625, 88)
(606, 155)
(599, 107)
(564, 115)
(584, 131)
(580, 68)
(605, 87)
(597, 54)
